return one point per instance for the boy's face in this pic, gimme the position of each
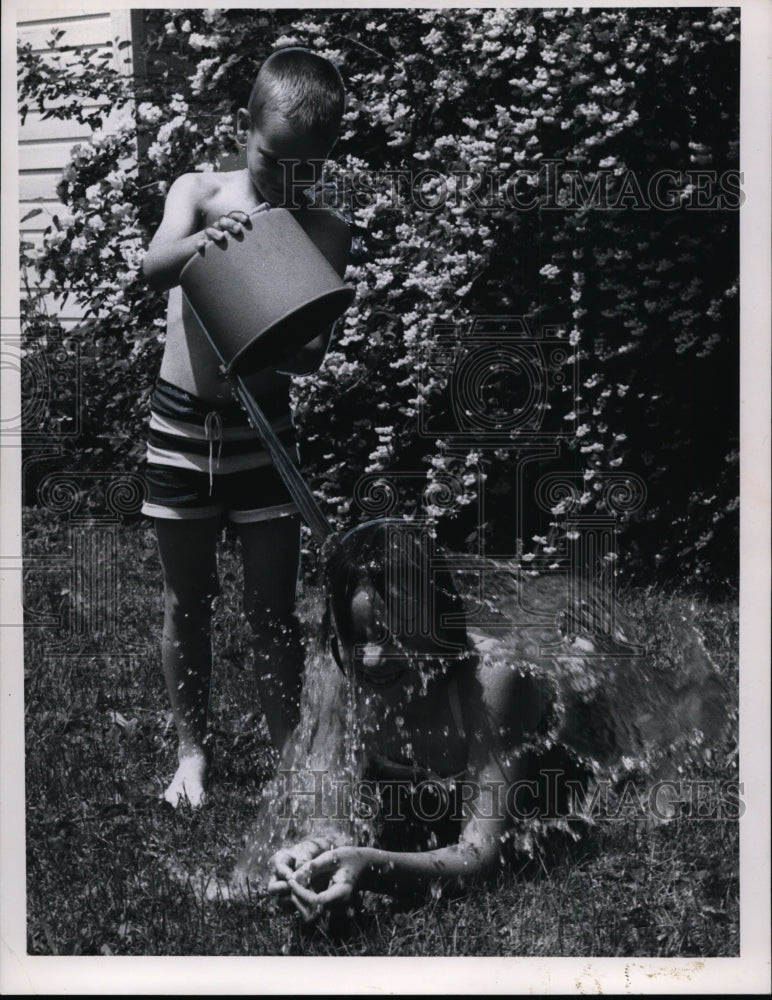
(282, 158)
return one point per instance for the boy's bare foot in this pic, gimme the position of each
(187, 785)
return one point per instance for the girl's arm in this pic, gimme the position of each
(344, 871)
(180, 234)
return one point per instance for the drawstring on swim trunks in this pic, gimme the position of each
(214, 432)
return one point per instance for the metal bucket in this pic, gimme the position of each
(263, 295)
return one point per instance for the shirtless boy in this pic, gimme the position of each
(204, 461)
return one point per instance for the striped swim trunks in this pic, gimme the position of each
(205, 462)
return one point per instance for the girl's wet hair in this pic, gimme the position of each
(303, 87)
(423, 609)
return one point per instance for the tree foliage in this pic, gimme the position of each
(577, 170)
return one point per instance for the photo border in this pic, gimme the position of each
(24, 974)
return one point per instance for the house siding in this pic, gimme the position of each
(45, 145)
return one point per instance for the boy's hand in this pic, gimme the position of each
(233, 223)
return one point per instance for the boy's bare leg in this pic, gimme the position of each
(271, 561)
(188, 560)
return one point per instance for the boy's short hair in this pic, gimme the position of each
(301, 86)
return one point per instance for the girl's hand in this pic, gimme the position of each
(285, 864)
(342, 869)
(233, 223)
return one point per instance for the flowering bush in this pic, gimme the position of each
(578, 170)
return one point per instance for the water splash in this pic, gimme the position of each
(610, 712)
(324, 759)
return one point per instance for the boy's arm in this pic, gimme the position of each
(180, 234)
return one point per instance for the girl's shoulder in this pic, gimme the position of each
(516, 703)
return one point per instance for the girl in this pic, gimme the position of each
(460, 748)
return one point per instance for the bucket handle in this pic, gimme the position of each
(296, 485)
(290, 475)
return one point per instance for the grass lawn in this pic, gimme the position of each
(111, 869)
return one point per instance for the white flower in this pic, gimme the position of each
(165, 131)
(116, 179)
(122, 211)
(149, 113)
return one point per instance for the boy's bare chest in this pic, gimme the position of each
(234, 193)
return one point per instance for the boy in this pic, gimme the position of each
(204, 460)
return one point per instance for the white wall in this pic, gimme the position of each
(44, 145)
